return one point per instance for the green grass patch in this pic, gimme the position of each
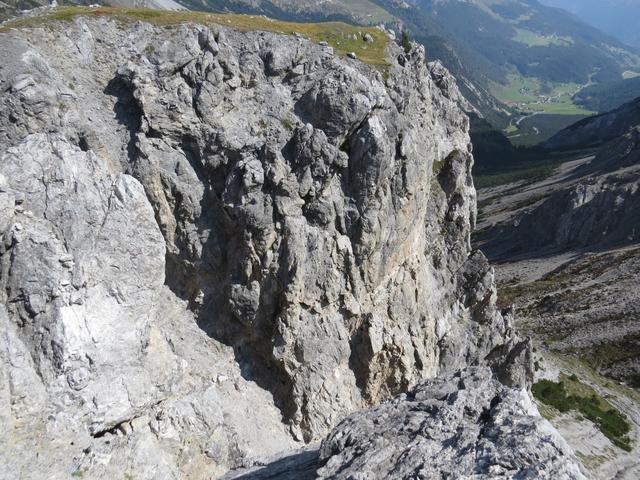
(510, 129)
(342, 37)
(546, 411)
(532, 39)
(562, 105)
(365, 12)
(571, 395)
(518, 89)
(531, 95)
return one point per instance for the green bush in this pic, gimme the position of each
(406, 41)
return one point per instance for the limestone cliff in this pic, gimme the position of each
(216, 245)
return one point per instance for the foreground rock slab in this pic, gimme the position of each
(466, 426)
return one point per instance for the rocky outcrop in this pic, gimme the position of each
(466, 426)
(102, 367)
(218, 244)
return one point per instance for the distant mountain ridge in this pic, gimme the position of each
(533, 38)
(616, 17)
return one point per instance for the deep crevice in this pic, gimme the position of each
(83, 144)
(127, 112)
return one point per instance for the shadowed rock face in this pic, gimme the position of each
(218, 244)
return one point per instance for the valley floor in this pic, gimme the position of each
(581, 309)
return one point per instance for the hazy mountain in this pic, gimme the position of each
(526, 37)
(616, 17)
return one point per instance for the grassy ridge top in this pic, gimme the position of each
(342, 37)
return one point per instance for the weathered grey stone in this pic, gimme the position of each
(466, 426)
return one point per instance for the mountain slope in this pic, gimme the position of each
(594, 207)
(616, 17)
(526, 38)
(11, 8)
(597, 130)
(599, 208)
(365, 12)
(608, 96)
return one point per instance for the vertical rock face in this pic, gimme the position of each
(310, 214)
(67, 241)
